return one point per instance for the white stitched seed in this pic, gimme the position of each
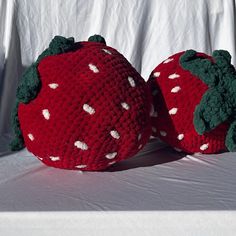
(156, 74)
(88, 109)
(115, 134)
(163, 133)
(154, 129)
(178, 150)
(204, 146)
(112, 162)
(131, 81)
(168, 60)
(54, 158)
(152, 110)
(53, 85)
(139, 137)
(31, 137)
(154, 114)
(46, 114)
(125, 105)
(174, 76)
(173, 111)
(111, 155)
(180, 136)
(81, 166)
(106, 51)
(93, 68)
(81, 145)
(140, 146)
(175, 89)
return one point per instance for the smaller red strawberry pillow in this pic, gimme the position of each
(195, 102)
(81, 106)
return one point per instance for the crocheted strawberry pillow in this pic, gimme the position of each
(81, 106)
(195, 102)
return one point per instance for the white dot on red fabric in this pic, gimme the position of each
(173, 111)
(168, 60)
(156, 74)
(140, 146)
(88, 109)
(178, 149)
(81, 145)
(112, 162)
(176, 89)
(111, 155)
(53, 85)
(180, 137)
(173, 76)
(93, 68)
(46, 114)
(154, 114)
(81, 166)
(204, 147)
(154, 129)
(125, 105)
(31, 137)
(152, 110)
(139, 136)
(106, 51)
(131, 81)
(115, 134)
(54, 158)
(163, 133)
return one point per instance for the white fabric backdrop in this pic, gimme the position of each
(146, 32)
(145, 190)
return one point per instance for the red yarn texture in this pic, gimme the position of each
(176, 93)
(91, 112)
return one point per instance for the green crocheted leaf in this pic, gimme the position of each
(230, 141)
(212, 111)
(201, 67)
(18, 142)
(97, 38)
(58, 45)
(30, 84)
(218, 104)
(222, 58)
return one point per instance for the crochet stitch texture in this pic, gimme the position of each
(92, 109)
(194, 97)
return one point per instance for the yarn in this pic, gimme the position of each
(92, 109)
(194, 96)
(30, 85)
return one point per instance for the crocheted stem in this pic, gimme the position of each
(97, 38)
(30, 85)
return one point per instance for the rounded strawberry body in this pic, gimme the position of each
(190, 92)
(92, 109)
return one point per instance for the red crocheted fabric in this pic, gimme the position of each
(91, 112)
(176, 93)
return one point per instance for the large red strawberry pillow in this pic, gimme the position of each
(81, 106)
(195, 102)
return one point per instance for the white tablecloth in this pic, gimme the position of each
(159, 191)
